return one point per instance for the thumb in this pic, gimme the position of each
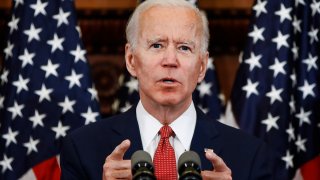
(119, 151)
(217, 162)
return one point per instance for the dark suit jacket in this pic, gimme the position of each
(84, 151)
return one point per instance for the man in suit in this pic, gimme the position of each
(167, 53)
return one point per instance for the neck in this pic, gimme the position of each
(166, 114)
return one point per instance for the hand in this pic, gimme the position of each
(220, 171)
(115, 167)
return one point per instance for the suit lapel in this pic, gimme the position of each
(128, 128)
(205, 136)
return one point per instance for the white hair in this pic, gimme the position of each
(133, 23)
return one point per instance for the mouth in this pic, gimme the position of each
(168, 80)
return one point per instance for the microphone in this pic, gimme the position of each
(189, 166)
(142, 166)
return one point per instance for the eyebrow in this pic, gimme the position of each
(158, 39)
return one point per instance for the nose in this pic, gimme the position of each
(170, 57)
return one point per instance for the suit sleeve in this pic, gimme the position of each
(71, 166)
(263, 164)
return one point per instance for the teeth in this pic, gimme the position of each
(168, 81)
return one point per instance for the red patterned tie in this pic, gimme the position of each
(164, 158)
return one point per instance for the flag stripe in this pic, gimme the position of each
(51, 165)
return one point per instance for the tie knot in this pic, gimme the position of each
(166, 131)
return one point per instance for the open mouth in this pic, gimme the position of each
(168, 80)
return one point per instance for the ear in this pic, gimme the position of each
(203, 66)
(130, 61)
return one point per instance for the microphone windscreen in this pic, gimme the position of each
(189, 156)
(140, 156)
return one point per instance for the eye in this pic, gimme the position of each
(156, 46)
(185, 48)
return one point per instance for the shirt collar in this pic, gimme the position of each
(183, 126)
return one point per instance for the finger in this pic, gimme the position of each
(122, 174)
(118, 165)
(117, 174)
(207, 175)
(217, 162)
(112, 168)
(119, 151)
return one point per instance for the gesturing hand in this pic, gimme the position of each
(220, 171)
(115, 167)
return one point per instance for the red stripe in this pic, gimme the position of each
(311, 170)
(47, 170)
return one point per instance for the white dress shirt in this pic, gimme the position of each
(183, 128)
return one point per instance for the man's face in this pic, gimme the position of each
(167, 59)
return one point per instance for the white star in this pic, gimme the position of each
(94, 93)
(313, 33)
(204, 89)
(74, 79)
(17, 2)
(62, 17)
(79, 30)
(210, 64)
(290, 132)
(311, 62)
(10, 137)
(203, 109)
(296, 24)
(13, 24)
(315, 7)
(303, 117)
(37, 119)
(90, 116)
(60, 130)
(250, 88)
(260, 7)
(26, 58)
(299, 2)
(21, 84)
(33, 33)
(281, 40)
(288, 159)
(79, 54)
(253, 61)
(6, 163)
(295, 51)
(56, 43)
(16, 109)
(284, 13)
(4, 76)
(8, 50)
(256, 34)
(125, 107)
(292, 105)
(132, 85)
(271, 122)
(67, 105)
(293, 78)
(39, 7)
(31, 145)
(50, 69)
(274, 94)
(1, 102)
(300, 143)
(44, 93)
(278, 67)
(306, 89)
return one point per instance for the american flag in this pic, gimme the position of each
(206, 95)
(46, 90)
(276, 95)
